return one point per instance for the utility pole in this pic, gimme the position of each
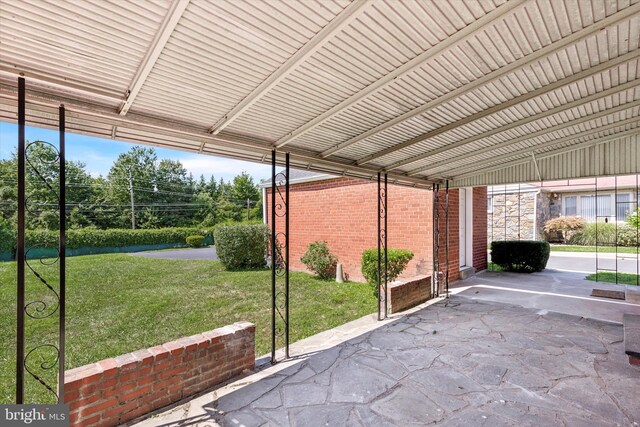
(133, 209)
(248, 209)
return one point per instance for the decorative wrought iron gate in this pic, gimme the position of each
(279, 260)
(440, 278)
(35, 358)
(383, 261)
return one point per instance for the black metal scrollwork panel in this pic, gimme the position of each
(279, 250)
(279, 258)
(39, 360)
(42, 301)
(382, 248)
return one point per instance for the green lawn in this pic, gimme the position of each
(603, 249)
(607, 276)
(118, 303)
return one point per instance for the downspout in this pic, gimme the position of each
(264, 205)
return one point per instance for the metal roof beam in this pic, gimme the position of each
(585, 144)
(340, 22)
(547, 144)
(494, 75)
(64, 83)
(553, 111)
(451, 41)
(174, 14)
(487, 134)
(492, 110)
(159, 129)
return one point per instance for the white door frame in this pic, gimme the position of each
(465, 237)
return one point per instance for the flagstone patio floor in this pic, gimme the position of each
(459, 362)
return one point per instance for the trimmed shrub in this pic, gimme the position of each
(524, 256)
(241, 245)
(320, 260)
(587, 237)
(634, 219)
(628, 236)
(397, 260)
(195, 241)
(567, 226)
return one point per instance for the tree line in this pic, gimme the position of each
(140, 191)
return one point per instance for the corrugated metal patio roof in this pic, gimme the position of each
(477, 92)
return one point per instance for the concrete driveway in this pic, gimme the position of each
(461, 362)
(586, 262)
(183, 254)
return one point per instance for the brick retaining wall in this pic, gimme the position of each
(407, 293)
(113, 391)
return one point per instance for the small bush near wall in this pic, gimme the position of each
(320, 260)
(241, 245)
(568, 226)
(195, 241)
(397, 262)
(525, 256)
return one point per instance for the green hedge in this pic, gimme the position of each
(520, 255)
(241, 245)
(93, 238)
(397, 260)
(88, 238)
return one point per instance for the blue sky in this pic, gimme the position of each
(98, 154)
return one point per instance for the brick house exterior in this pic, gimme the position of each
(342, 212)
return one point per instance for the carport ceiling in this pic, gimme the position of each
(472, 91)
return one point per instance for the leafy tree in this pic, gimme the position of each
(42, 199)
(164, 193)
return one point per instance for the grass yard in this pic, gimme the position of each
(118, 303)
(601, 249)
(607, 276)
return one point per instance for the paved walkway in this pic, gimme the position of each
(183, 254)
(461, 362)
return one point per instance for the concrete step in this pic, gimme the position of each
(466, 272)
(631, 325)
(633, 294)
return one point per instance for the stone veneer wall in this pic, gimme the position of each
(513, 217)
(114, 391)
(549, 207)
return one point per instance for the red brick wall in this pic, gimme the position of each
(117, 390)
(480, 228)
(404, 294)
(342, 212)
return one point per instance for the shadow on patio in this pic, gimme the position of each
(459, 363)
